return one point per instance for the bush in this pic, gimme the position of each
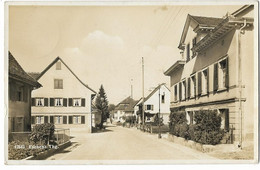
(177, 121)
(42, 133)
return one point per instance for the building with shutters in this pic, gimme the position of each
(157, 100)
(216, 71)
(20, 86)
(63, 100)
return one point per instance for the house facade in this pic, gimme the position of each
(123, 109)
(64, 99)
(157, 101)
(19, 97)
(216, 71)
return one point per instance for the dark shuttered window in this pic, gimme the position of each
(70, 119)
(215, 79)
(70, 101)
(46, 119)
(180, 89)
(189, 88)
(33, 101)
(199, 83)
(83, 102)
(65, 102)
(51, 119)
(51, 101)
(65, 120)
(46, 102)
(207, 80)
(33, 119)
(82, 119)
(227, 75)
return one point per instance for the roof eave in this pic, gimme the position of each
(178, 64)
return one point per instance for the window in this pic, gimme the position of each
(224, 113)
(58, 84)
(149, 107)
(77, 102)
(58, 119)
(39, 119)
(188, 52)
(194, 42)
(20, 93)
(163, 97)
(58, 102)
(183, 97)
(189, 117)
(58, 65)
(39, 101)
(204, 81)
(193, 86)
(76, 120)
(175, 92)
(222, 73)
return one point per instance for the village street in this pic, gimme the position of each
(118, 143)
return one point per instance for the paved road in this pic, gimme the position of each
(119, 143)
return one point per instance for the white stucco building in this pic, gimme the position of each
(63, 100)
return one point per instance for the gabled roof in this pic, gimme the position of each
(154, 90)
(17, 72)
(198, 22)
(34, 75)
(127, 104)
(52, 63)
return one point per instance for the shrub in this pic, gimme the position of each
(177, 121)
(42, 133)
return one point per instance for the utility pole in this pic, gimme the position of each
(159, 117)
(132, 88)
(143, 91)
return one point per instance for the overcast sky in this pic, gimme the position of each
(104, 45)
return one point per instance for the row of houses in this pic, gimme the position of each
(55, 95)
(214, 72)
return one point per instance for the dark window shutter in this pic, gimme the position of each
(51, 119)
(227, 119)
(189, 87)
(195, 86)
(65, 120)
(33, 119)
(82, 119)
(227, 75)
(46, 119)
(70, 101)
(65, 102)
(46, 102)
(33, 101)
(215, 80)
(199, 83)
(70, 119)
(25, 93)
(188, 52)
(83, 102)
(185, 89)
(208, 80)
(51, 101)
(180, 91)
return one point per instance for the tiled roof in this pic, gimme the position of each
(127, 104)
(17, 72)
(207, 21)
(34, 75)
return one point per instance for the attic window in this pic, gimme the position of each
(58, 65)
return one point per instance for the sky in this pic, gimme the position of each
(104, 44)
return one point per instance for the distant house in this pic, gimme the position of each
(216, 70)
(64, 99)
(19, 102)
(157, 100)
(124, 108)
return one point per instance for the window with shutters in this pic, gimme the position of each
(39, 102)
(149, 107)
(163, 98)
(204, 81)
(58, 84)
(222, 74)
(176, 92)
(58, 102)
(194, 42)
(76, 102)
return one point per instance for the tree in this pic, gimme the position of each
(102, 105)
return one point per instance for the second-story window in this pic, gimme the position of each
(76, 102)
(194, 41)
(58, 84)
(183, 97)
(222, 74)
(204, 83)
(193, 86)
(163, 98)
(58, 102)
(39, 101)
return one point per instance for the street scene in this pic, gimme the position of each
(161, 82)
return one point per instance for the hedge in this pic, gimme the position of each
(205, 130)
